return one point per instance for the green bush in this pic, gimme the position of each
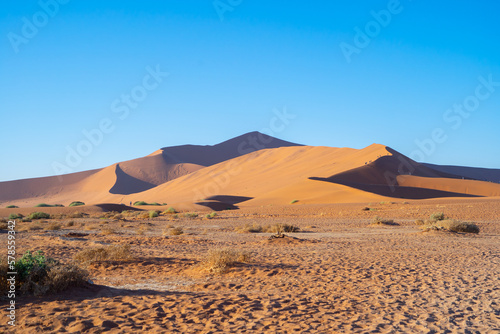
(190, 215)
(39, 215)
(43, 205)
(12, 207)
(15, 216)
(38, 274)
(294, 201)
(153, 214)
(437, 216)
(211, 215)
(76, 203)
(170, 210)
(137, 203)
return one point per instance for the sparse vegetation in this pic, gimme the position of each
(250, 229)
(139, 203)
(108, 253)
(455, 226)
(53, 227)
(76, 203)
(211, 215)
(39, 275)
(153, 214)
(437, 216)
(282, 228)
(15, 216)
(218, 261)
(294, 201)
(12, 207)
(190, 215)
(43, 205)
(108, 231)
(39, 215)
(170, 210)
(174, 231)
(381, 221)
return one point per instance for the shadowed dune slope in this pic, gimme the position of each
(482, 174)
(395, 175)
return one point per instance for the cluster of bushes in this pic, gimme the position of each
(276, 228)
(76, 203)
(438, 221)
(43, 205)
(138, 203)
(218, 261)
(38, 275)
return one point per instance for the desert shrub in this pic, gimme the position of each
(70, 223)
(281, 228)
(174, 231)
(76, 203)
(44, 205)
(53, 227)
(190, 215)
(458, 226)
(249, 229)
(15, 216)
(118, 216)
(211, 215)
(77, 214)
(137, 203)
(38, 274)
(381, 221)
(107, 231)
(436, 216)
(12, 207)
(38, 215)
(108, 253)
(419, 222)
(170, 210)
(155, 203)
(218, 261)
(294, 201)
(153, 214)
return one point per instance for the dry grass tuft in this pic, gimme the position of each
(108, 231)
(436, 216)
(458, 226)
(108, 253)
(219, 261)
(53, 227)
(282, 228)
(173, 231)
(381, 221)
(249, 229)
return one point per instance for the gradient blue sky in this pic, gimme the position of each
(227, 76)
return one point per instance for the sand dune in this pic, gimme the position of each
(482, 174)
(262, 170)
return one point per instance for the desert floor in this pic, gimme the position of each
(338, 274)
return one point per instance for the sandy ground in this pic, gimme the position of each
(338, 275)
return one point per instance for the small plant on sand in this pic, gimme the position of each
(12, 207)
(436, 216)
(381, 221)
(170, 210)
(53, 227)
(249, 229)
(38, 274)
(44, 205)
(70, 223)
(190, 215)
(294, 201)
(38, 215)
(282, 228)
(76, 203)
(108, 231)
(15, 216)
(108, 253)
(211, 215)
(174, 231)
(457, 226)
(153, 214)
(218, 261)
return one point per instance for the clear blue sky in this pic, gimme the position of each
(226, 76)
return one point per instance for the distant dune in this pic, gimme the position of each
(482, 174)
(251, 170)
